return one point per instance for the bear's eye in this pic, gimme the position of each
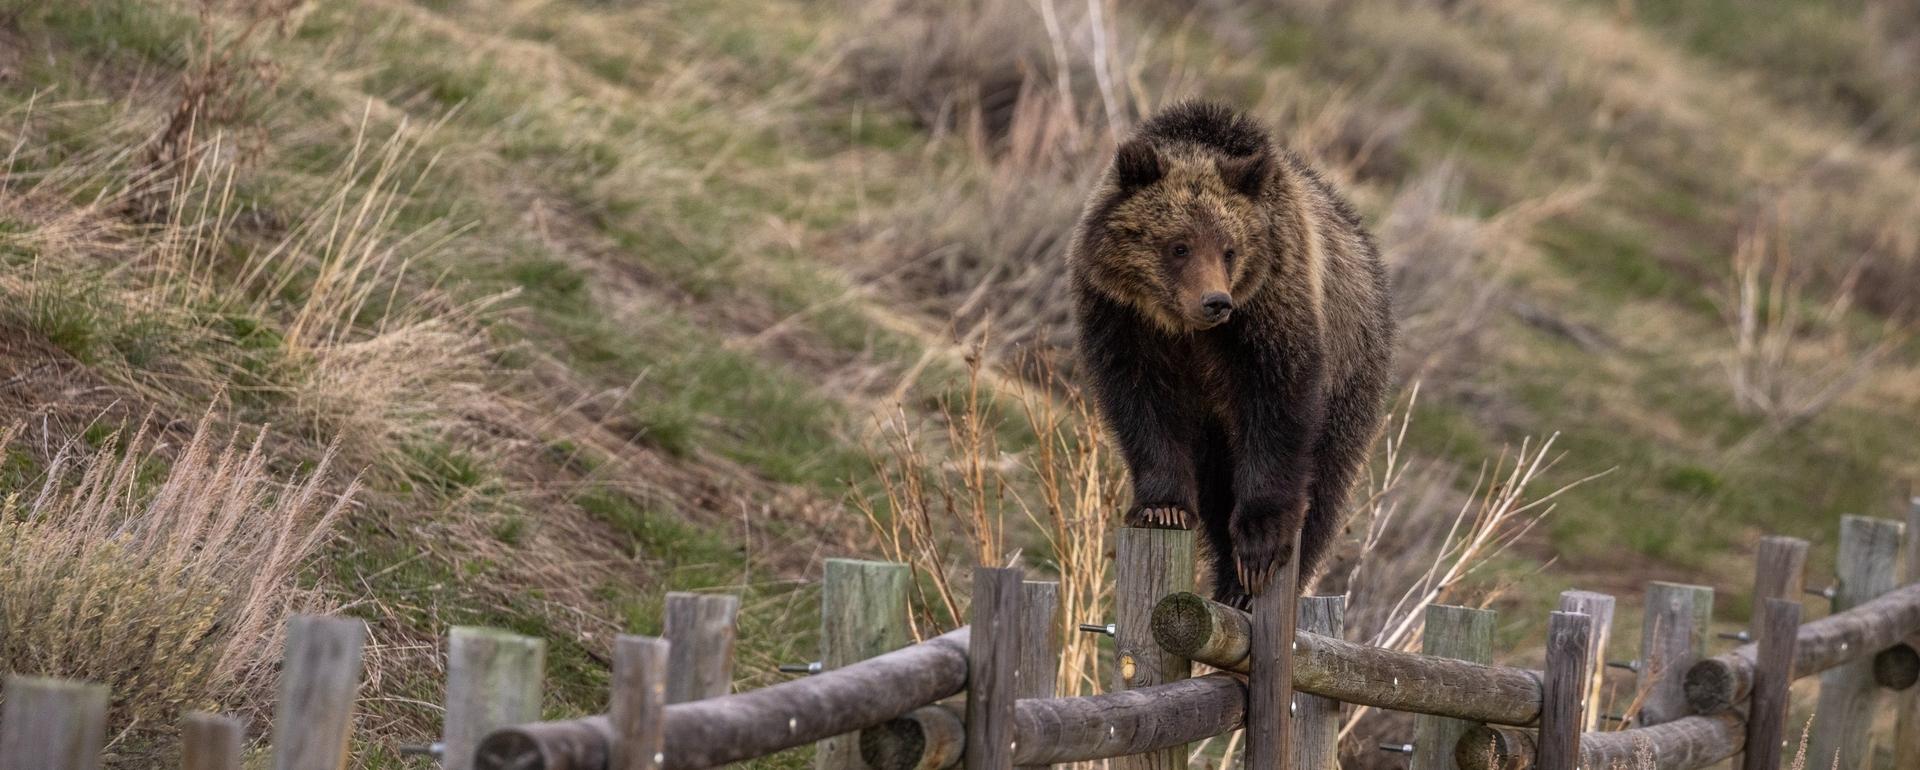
(1228, 256)
(1179, 250)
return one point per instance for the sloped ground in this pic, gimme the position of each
(602, 300)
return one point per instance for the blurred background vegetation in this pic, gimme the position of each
(523, 312)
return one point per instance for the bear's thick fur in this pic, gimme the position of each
(1235, 325)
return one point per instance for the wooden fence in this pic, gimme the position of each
(877, 702)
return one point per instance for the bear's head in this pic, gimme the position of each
(1183, 234)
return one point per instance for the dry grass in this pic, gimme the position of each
(1796, 347)
(170, 587)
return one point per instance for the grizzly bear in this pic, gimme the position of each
(1234, 321)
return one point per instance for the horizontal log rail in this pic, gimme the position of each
(1209, 632)
(1682, 744)
(1717, 684)
(730, 728)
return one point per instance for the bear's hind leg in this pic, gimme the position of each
(1352, 421)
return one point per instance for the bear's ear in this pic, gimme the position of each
(1246, 174)
(1137, 165)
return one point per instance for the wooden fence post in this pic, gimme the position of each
(700, 632)
(1772, 680)
(1906, 731)
(1672, 637)
(639, 705)
(52, 724)
(1598, 607)
(210, 742)
(1270, 675)
(993, 655)
(321, 673)
(1779, 572)
(1148, 565)
(1868, 565)
(863, 613)
(1040, 629)
(493, 680)
(1316, 740)
(1463, 633)
(1562, 697)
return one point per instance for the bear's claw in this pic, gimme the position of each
(1161, 517)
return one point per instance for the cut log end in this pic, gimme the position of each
(1897, 667)
(1710, 686)
(1491, 747)
(1182, 623)
(898, 744)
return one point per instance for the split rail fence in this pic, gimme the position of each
(982, 697)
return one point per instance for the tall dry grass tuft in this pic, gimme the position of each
(941, 490)
(1423, 539)
(1796, 346)
(169, 586)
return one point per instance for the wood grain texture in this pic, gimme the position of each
(1715, 684)
(1673, 636)
(638, 707)
(1868, 565)
(1599, 607)
(55, 724)
(1041, 626)
(1779, 572)
(1461, 633)
(731, 728)
(1563, 693)
(1270, 670)
(700, 632)
(318, 680)
(210, 742)
(1316, 718)
(1687, 743)
(1148, 564)
(1773, 677)
(863, 613)
(494, 679)
(1218, 635)
(1906, 729)
(993, 657)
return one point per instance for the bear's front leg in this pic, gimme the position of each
(1165, 492)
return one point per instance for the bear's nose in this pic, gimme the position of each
(1217, 305)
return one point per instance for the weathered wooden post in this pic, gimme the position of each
(210, 742)
(1599, 607)
(1672, 638)
(1316, 740)
(1563, 693)
(1906, 731)
(1041, 629)
(1148, 564)
(993, 655)
(1779, 572)
(1462, 633)
(1868, 565)
(318, 680)
(700, 632)
(638, 709)
(1772, 679)
(55, 724)
(863, 613)
(1270, 676)
(493, 680)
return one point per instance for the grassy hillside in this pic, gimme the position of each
(541, 308)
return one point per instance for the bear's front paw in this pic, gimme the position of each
(1159, 516)
(1258, 556)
